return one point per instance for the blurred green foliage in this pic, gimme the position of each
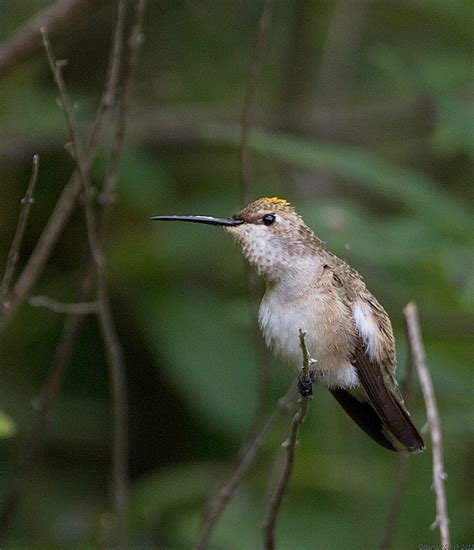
(365, 125)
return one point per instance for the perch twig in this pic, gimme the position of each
(305, 383)
(14, 253)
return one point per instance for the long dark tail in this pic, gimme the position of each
(367, 418)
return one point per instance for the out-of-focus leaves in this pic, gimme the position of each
(178, 290)
(207, 357)
(177, 487)
(142, 182)
(408, 188)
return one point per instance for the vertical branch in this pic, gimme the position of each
(14, 253)
(305, 383)
(113, 348)
(227, 492)
(135, 40)
(401, 471)
(439, 475)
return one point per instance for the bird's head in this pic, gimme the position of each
(273, 237)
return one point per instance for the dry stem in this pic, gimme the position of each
(33, 268)
(306, 380)
(135, 40)
(225, 495)
(53, 384)
(69, 195)
(439, 475)
(113, 348)
(77, 308)
(57, 18)
(14, 253)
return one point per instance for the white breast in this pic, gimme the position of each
(281, 322)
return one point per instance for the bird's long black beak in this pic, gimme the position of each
(210, 220)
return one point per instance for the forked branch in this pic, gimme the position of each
(33, 268)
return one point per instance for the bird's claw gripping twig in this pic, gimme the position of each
(305, 383)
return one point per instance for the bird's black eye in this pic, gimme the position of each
(268, 219)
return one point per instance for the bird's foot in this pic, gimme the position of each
(305, 383)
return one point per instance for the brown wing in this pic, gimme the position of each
(378, 407)
(392, 413)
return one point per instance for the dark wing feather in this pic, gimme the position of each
(392, 413)
(363, 415)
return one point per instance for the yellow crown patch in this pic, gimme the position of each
(275, 200)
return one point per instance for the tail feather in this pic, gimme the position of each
(366, 417)
(395, 420)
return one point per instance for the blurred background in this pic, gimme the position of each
(363, 121)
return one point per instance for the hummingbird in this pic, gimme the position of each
(348, 332)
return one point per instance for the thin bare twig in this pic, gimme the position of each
(225, 495)
(401, 469)
(439, 475)
(57, 18)
(305, 387)
(113, 348)
(77, 308)
(69, 195)
(14, 253)
(58, 219)
(43, 409)
(134, 43)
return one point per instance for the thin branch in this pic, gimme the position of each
(134, 43)
(43, 409)
(305, 384)
(14, 253)
(402, 466)
(249, 100)
(77, 308)
(69, 195)
(225, 495)
(57, 18)
(53, 383)
(434, 423)
(113, 348)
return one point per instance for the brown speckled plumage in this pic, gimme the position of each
(348, 331)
